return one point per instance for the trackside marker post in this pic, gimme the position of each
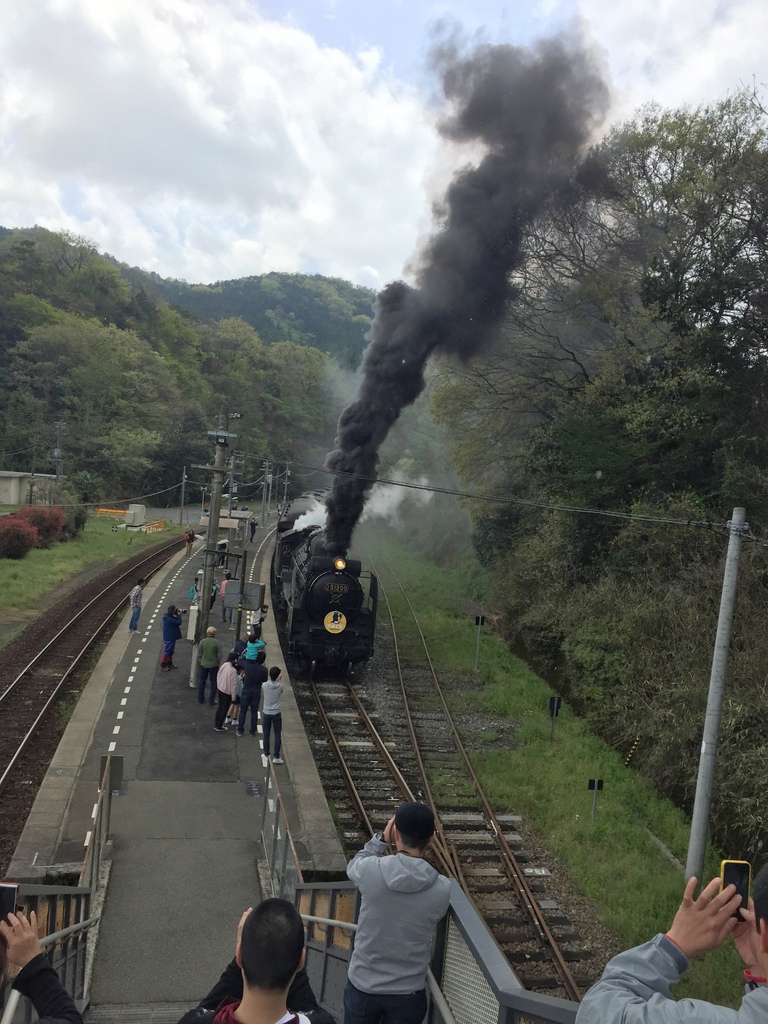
(595, 785)
(479, 622)
(554, 708)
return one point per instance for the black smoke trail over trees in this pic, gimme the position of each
(533, 112)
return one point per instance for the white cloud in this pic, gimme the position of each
(200, 139)
(678, 52)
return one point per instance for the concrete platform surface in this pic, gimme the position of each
(186, 822)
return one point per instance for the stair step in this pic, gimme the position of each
(149, 1013)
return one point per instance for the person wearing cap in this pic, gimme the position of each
(403, 898)
(210, 656)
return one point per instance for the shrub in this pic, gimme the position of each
(75, 519)
(47, 520)
(17, 537)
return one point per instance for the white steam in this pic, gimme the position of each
(385, 500)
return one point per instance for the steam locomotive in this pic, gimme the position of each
(328, 604)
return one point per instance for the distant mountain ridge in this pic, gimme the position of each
(324, 312)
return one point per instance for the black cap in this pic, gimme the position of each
(415, 821)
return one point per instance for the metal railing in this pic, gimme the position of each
(471, 980)
(282, 862)
(64, 912)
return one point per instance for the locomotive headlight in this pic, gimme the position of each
(339, 564)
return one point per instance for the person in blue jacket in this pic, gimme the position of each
(636, 985)
(171, 633)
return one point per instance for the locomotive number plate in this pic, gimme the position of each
(336, 588)
(335, 622)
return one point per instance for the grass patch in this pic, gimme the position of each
(613, 860)
(24, 583)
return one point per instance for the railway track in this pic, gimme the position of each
(369, 763)
(25, 703)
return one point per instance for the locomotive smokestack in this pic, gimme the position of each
(534, 112)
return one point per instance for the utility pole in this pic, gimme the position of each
(287, 478)
(231, 484)
(61, 426)
(183, 485)
(737, 528)
(264, 492)
(222, 438)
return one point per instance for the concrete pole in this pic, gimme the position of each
(287, 478)
(183, 485)
(737, 528)
(212, 534)
(264, 493)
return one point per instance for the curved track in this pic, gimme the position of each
(26, 701)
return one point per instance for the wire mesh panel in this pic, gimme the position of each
(463, 984)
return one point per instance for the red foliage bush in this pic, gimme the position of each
(46, 519)
(17, 537)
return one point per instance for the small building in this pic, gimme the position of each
(26, 488)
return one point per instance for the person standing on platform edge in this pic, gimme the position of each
(222, 591)
(403, 898)
(210, 656)
(252, 526)
(171, 633)
(135, 599)
(271, 714)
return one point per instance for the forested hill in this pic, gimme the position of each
(324, 312)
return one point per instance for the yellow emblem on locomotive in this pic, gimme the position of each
(335, 622)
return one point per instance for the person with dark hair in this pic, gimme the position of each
(171, 633)
(254, 676)
(36, 979)
(209, 656)
(271, 713)
(226, 689)
(636, 985)
(403, 898)
(135, 598)
(267, 979)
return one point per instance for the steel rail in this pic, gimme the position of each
(33, 729)
(347, 775)
(514, 871)
(82, 612)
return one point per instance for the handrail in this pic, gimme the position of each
(48, 940)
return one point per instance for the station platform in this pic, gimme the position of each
(186, 820)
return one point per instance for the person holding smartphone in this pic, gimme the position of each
(636, 985)
(37, 980)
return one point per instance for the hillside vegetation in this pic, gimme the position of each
(138, 382)
(323, 312)
(631, 377)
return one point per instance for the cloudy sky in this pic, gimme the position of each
(211, 139)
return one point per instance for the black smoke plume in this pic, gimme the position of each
(533, 111)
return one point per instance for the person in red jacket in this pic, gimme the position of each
(36, 979)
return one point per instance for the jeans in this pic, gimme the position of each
(226, 613)
(249, 699)
(221, 711)
(364, 1008)
(135, 613)
(268, 723)
(207, 673)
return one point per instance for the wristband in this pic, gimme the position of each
(753, 981)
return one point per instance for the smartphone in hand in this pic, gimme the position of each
(738, 873)
(9, 900)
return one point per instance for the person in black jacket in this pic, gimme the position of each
(229, 989)
(36, 979)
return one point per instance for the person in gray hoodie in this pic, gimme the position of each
(403, 898)
(636, 985)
